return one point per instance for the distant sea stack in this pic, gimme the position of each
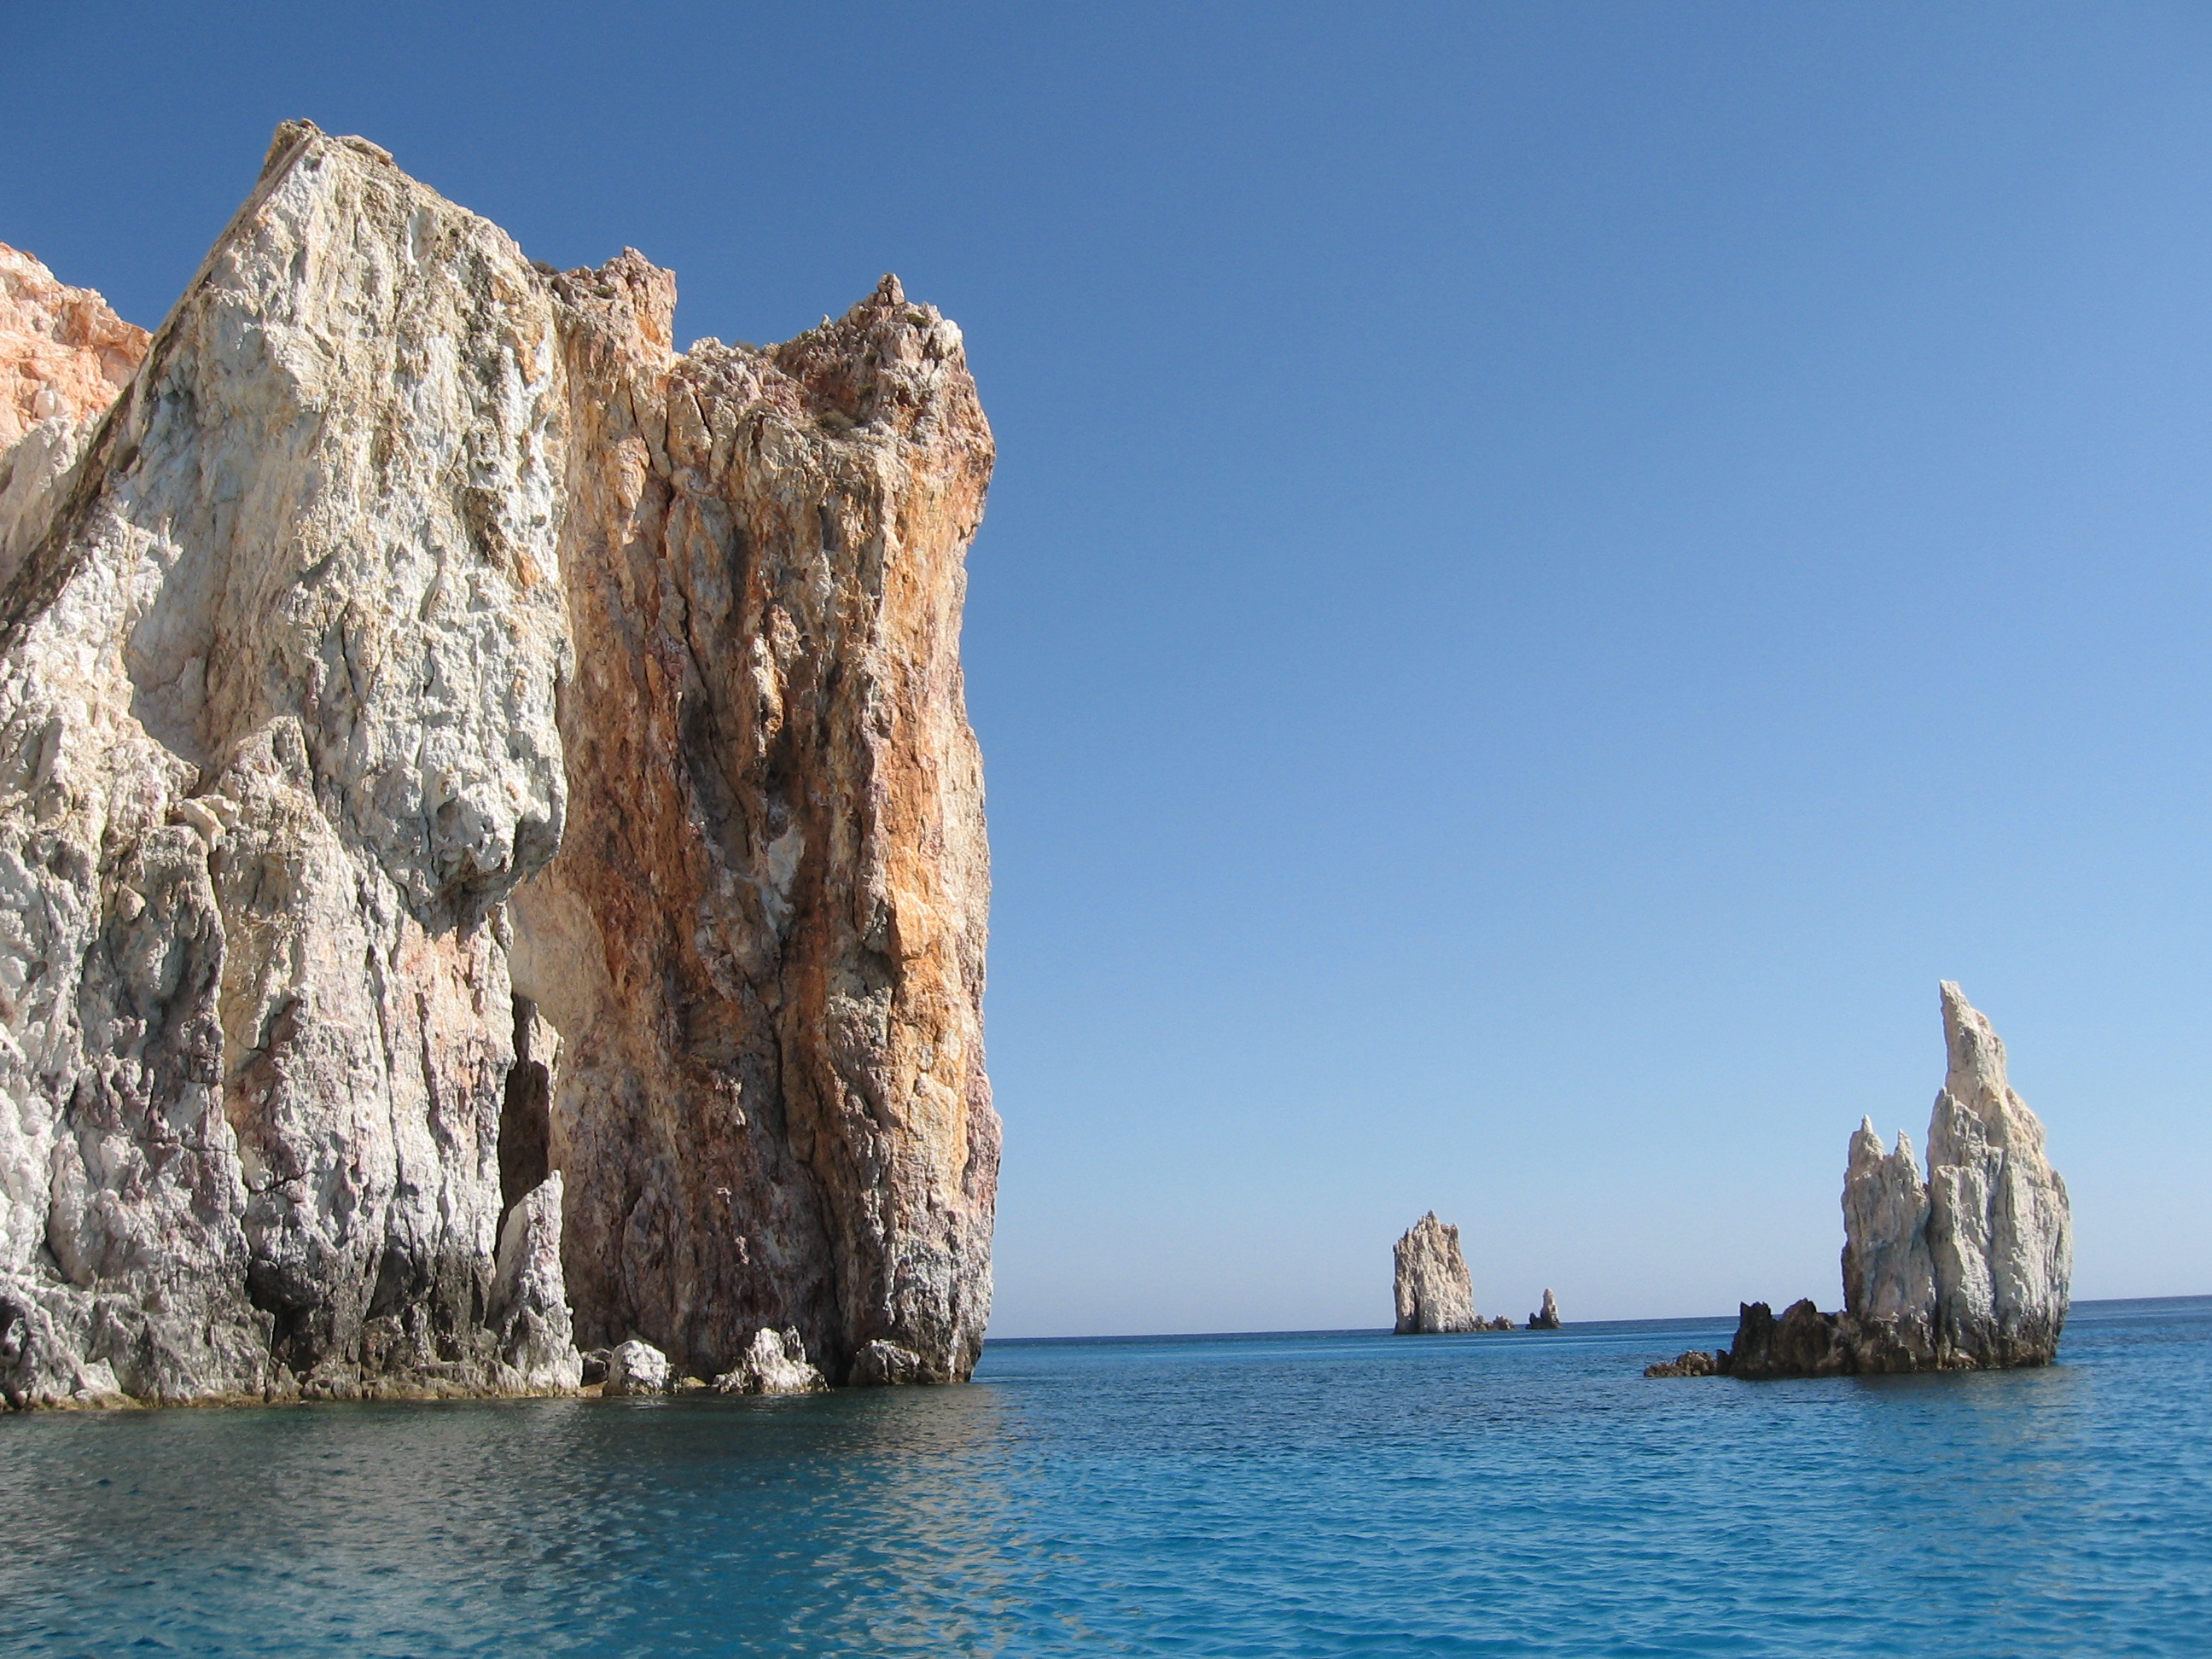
(1968, 1270)
(492, 845)
(1435, 1295)
(1545, 1318)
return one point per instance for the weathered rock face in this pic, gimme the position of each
(1545, 1318)
(762, 945)
(1969, 1270)
(63, 356)
(529, 1296)
(1888, 1276)
(636, 1367)
(1695, 1362)
(2000, 1227)
(1803, 1342)
(775, 1364)
(1434, 1293)
(487, 828)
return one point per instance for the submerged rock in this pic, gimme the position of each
(491, 848)
(1433, 1292)
(1545, 1318)
(1970, 1269)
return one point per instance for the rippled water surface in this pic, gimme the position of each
(1309, 1495)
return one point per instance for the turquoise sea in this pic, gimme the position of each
(1332, 1493)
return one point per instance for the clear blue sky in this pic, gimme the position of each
(1553, 568)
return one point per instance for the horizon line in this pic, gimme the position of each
(1518, 1330)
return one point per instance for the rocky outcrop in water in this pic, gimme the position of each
(1433, 1292)
(1695, 1362)
(1545, 1318)
(492, 849)
(775, 1364)
(1967, 1270)
(1803, 1342)
(2000, 1227)
(636, 1367)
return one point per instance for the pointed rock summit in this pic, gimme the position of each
(2000, 1228)
(1545, 1318)
(492, 854)
(1434, 1293)
(1968, 1269)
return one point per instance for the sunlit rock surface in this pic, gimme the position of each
(2000, 1228)
(775, 1364)
(762, 945)
(63, 356)
(1967, 1270)
(636, 1367)
(491, 846)
(1434, 1294)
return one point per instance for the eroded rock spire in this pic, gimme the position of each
(1433, 1292)
(1968, 1270)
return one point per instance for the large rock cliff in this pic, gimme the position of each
(493, 848)
(1967, 1270)
(1433, 1292)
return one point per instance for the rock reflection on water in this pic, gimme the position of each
(865, 1521)
(1334, 1494)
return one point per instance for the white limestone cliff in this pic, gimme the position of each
(529, 1304)
(2000, 1226)
(491, 848)
(1888, 1276)
(1433, 1292)
(1970, 1268)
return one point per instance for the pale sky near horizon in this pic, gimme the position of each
(1553, 568)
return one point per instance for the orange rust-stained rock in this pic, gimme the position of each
(63, 353)
(63, 357)
(763, 944)
(492, 849)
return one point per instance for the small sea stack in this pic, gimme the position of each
(1434, 1294)
(1970, 1269)
(1545, 1318)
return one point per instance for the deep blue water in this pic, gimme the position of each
(1312, 1495)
